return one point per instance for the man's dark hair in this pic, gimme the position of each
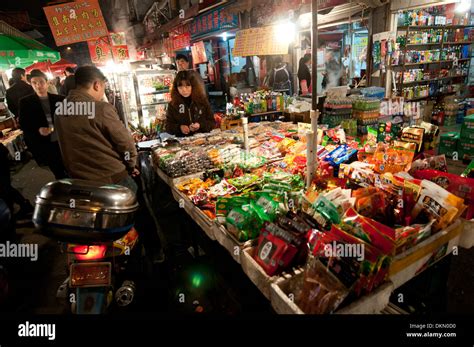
(182, 56)
(17, 73)
(38, 73)
(69, 69)
(86, 75)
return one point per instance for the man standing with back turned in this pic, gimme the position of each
(95, 146)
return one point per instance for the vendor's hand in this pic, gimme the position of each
(185, 129)
(135, 172)
(45, 131)
(195, 126)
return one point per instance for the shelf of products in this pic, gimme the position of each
(429, 72)
(146, 93)
(426, 27)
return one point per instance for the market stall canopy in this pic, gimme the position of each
(22, 52)
(46, 66)
(42, 65)
(61, 65)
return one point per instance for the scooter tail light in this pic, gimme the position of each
(92, 252)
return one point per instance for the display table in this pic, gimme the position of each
(404, 266)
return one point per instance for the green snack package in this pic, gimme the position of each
(244, 181)
(469, 172)
(327, 210)
(237, 220)
(225, 204)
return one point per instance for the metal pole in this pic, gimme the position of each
(314, 54)
(312, 138)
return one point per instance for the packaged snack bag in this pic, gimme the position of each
(436, 203)
(275, 251)
(413, 135)
(409, 236)
(435, 163)
(322, 292)
(394, 158)
(462, 187)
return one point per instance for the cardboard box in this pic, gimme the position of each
(468, 122)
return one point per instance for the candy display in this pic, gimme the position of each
(370, 197)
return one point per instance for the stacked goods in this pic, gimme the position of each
(336, 111)
(466, 141)
(366, 111)
(451, 109)
(448, 143)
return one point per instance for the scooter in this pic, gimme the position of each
(94, 223)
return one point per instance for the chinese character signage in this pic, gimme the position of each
(181, 41)
(119, 46)
(258, 41)
(198, 51)
(100, 51)
(215, 20)
(108, 48)
(76, 21)
(118, 39)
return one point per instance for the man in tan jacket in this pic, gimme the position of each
(95, 145)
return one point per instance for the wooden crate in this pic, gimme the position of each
(230, 123)
(282, 298)
(201, 219)
(408, 264)
(227, 240)
(255, 272)
(467, 236)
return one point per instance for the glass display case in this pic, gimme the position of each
(145, 96)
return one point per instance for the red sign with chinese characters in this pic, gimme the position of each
(103, 50)
(120, 53)
(181, 41)
(100, 51)
(76, 21)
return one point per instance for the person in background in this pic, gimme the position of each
(304, 75)
(189, 111)
(333, 74)
(182, 62)
(280, 77)
(96, 147)
(8, 193)
(69, 82)
(18, 89)
(37, 122)
(57, 83)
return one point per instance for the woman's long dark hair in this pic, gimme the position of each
(188, 78)
(303, 70)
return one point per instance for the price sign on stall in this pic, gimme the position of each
(76, 21)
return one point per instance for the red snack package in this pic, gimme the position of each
(274, 254)
(369, 230)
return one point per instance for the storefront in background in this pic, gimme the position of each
(343, 37)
